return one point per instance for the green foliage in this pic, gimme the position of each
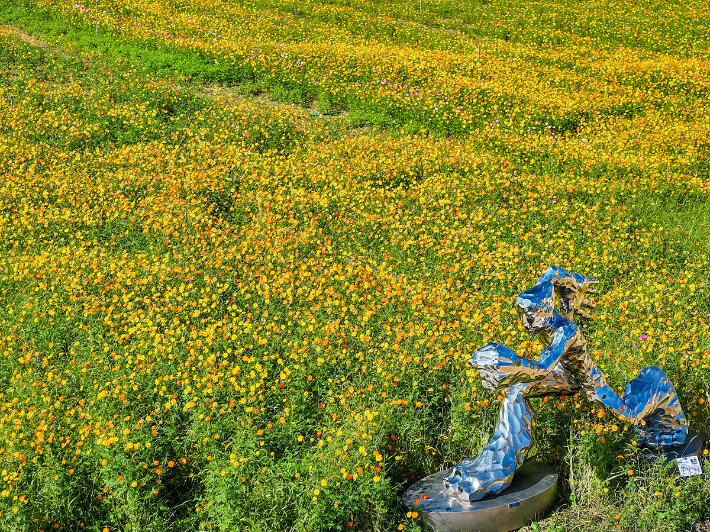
(156, 224)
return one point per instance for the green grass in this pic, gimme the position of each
(140, 185)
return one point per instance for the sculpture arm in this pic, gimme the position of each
(500, 367)
(561, 338)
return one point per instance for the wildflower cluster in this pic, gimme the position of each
(209, 303)
(424, 69)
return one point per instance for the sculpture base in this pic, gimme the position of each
(532, 491)
(693, 446)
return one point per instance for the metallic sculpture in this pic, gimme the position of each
(564, 366)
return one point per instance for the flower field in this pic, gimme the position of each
(221, 312)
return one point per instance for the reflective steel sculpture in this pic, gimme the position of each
(564, 366)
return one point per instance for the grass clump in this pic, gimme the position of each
(221, 313)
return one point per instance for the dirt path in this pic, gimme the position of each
(228, 94)
(34, 41)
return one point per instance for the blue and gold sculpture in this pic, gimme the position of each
(649, 401)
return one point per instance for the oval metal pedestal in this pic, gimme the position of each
(693, 446)
(532, 491)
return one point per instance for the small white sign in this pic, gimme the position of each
(689, 466)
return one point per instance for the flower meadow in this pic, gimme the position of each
(221, 312)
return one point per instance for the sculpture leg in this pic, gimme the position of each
(652, 400)
(492, 470)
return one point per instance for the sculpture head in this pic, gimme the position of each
(536, 307)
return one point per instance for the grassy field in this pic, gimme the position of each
(221, 309)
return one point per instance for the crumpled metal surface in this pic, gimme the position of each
(564, 366)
